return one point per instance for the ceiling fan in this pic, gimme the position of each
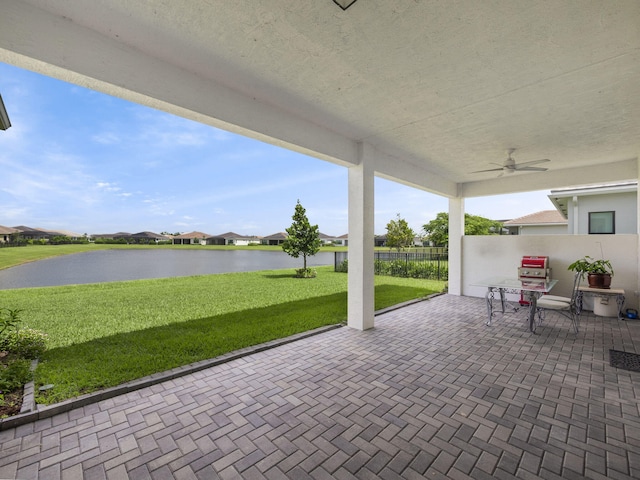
(510, 165)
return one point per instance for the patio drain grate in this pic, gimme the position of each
(624, 360)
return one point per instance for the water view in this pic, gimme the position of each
(118, 265)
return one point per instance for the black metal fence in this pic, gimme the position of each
(429, 265)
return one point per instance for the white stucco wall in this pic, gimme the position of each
(487, 256)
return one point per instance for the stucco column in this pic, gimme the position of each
(575, 225)
(360, 304)
(637, 292)
(456, 231)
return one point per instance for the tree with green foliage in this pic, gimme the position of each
(303, 239)
(437, 230)
(399, 235)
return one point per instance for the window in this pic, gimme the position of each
(602, 222)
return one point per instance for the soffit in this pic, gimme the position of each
(446, 86)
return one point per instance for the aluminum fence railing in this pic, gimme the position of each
(429, 265)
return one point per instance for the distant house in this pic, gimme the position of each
(6, 233)
(64, 233)
(133, 238)
(110, 236)
(379, 240)
(546, 222)
(343, 240)
(147, 237)
(329, 240)
(275, 239)
(610, 208)
(232, 238)
(193, 238)
(37, 234)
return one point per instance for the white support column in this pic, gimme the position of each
(637, 292)
(576, 216)
(456, 232)
(360, 305)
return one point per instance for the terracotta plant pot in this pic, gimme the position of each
(599, 280)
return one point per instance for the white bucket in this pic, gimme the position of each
(605, 306)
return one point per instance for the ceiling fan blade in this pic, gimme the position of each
(530, 169)
(489, 170)
(511, 166)
(531, 163)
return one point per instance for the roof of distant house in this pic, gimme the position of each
(545, 217)
(110, 235)
(148, 235)
(24, 228)
(324, 236)
(193, 235)
(67, 233)
(37, 231)
(7, 230)
(277, 236)
(233, 235)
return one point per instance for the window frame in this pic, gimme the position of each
(611, 218)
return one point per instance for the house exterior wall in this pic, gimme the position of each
(624, 204)
(245, 241)
(490, 256)
(543, 229)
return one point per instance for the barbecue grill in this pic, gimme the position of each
(533, 268)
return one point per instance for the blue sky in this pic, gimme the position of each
(82, 161)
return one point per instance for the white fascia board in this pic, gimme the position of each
(407, 172)
(595, 190)
(5, 123)
(37, 40)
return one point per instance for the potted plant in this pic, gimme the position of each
(598, 272)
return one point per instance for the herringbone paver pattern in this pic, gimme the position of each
(431, 392)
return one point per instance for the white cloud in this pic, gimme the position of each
(106, 138)
(13, 213)
(160, 207)
(108, 187)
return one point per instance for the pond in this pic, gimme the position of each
(117, 265)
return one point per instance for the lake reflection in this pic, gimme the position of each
(117, 265)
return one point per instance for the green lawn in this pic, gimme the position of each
(101, 335)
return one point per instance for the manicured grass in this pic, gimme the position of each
(105, 334)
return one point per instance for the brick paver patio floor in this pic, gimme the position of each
(431, 392)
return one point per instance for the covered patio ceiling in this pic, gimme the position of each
(439, 89)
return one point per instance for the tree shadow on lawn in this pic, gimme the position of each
(282, 275)
(110, 361)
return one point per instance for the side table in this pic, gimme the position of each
(601, 292)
